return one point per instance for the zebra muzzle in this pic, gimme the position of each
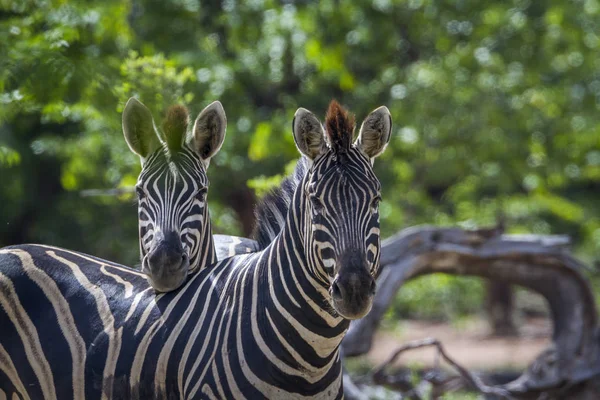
(352, 292)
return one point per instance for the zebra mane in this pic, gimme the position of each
(175, 126)
(272, 209)
(339, 127)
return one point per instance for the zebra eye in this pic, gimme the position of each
(140, 192)
(316, 205)
(375, 204)
(200, 194)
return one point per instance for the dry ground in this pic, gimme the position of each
(470, 344)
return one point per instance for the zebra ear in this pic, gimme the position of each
(375, 132)
(209, 131)
(308, 133)
(138, 129)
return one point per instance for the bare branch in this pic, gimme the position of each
(540, 263)
(473, 381)
(107, 192)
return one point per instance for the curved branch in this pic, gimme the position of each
(540, 263)
(471, 379)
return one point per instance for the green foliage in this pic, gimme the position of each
(438, 297)
(263, 184)
(158, 81)
(9, 157)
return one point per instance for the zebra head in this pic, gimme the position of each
(341, 229)
(175, 233)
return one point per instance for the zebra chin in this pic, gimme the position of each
(353, 310)
(166, 279)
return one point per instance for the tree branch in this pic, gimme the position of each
(380, 376)
(540, 263)
(107, 192)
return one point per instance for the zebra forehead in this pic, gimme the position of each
(352, 167)
(345, 182)
(183, 165)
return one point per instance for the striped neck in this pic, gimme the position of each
(302, 308)
(204, 254)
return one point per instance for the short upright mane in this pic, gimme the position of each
(272, 209)
(339, 126)
(175, 126)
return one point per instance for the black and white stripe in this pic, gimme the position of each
(262, 325)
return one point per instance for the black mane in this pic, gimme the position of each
(272, 210)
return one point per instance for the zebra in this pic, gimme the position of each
(262, 325)
(174, 226)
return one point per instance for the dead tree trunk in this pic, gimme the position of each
(570, 366)
(499, 308)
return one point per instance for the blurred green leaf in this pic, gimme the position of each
(9, 157)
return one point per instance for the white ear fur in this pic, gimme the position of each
(375, 132)
(209, 131)
(308, 133)
(138, 128)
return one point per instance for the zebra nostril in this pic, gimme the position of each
(336, 293)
